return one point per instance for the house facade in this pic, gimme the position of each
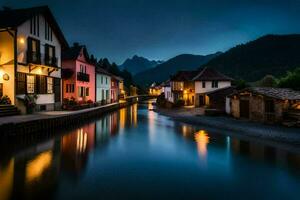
(208, 80)
(114, 88)
(155, 89)
(103, 86)
(265, 104)
(30, 57)
(78, 74)
(182, 87)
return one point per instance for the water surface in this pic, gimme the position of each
(135, 153)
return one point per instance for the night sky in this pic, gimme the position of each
(161, 29)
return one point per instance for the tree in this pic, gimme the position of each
(290, 80)
(240, 84)
(114, 69)
(267, 81)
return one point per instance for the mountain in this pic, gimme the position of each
(137, 64)
(163, 71)
(270, 54)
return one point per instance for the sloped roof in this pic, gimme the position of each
(100, 70)
(209, 74)
(184, 76)
(277, 93)
(72, 53)
(12, 18)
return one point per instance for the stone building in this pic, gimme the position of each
(264, 104)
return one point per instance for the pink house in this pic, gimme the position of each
(78, 74)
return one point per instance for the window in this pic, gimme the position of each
(48, 32)
(30, 84)
(49, 85)
(107, 94)
(81, 91)
(87, 92)
(203, 84)
(81, 68)
(35, 25)
(33, 51)
(214, 84)
(101, 79)
(106, 80)
(103, 95)
(70, 88)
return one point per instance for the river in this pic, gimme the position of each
(135, 153)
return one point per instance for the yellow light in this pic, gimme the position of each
(39, 70)
(22, 40)
(36, 167)
(202, 140)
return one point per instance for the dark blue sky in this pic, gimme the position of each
(160, 29)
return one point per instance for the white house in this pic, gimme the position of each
(209, 80)
(103, 86)
(30, 56)
(168, 92)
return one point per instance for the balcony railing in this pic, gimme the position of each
(83, 77)
(33, 57)
(50, 61)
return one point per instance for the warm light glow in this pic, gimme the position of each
(6, 180)
(202, 140)
(36, 167)
(22, 40)
(39, 70)
(122, 118)
(81, 141)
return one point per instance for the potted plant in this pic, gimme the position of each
(30, 103)
(5, 100)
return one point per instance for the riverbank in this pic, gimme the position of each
(46, 121)
(272, 133)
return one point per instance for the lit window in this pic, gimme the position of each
(49, 85)
(30, 84)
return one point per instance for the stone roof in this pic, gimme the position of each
(12, 18)
(277, 93)
(100, 70)
(209, 74)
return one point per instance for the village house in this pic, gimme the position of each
(30, 57)
(183, 87)
(207, 81)
(114, 88)
(103, 86)
(168, 91)
(78, 74)
(265, 104)
(155, 89)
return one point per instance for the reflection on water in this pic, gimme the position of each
(41, 171)
(202, 139)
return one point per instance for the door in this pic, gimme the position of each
(1, 89)
(244, 109)
(201, 100)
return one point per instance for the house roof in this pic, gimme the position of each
(184, 76)
(209, 74)
(277, 93)
(73, 52)
(100, 70)
(12, 18)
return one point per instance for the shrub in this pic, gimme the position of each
(290, 80)
(161, 101)
(179, 103)
(89, 102)
(5, 100)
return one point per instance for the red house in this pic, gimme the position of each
(78, 74)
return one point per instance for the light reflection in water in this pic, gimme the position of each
(38, 170)
(38, 165)
(6, 180)
(202, 140)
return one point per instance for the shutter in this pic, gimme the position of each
(46, 53)
(21, 83)
(57, 90)
(38, 51)
(37, 86)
